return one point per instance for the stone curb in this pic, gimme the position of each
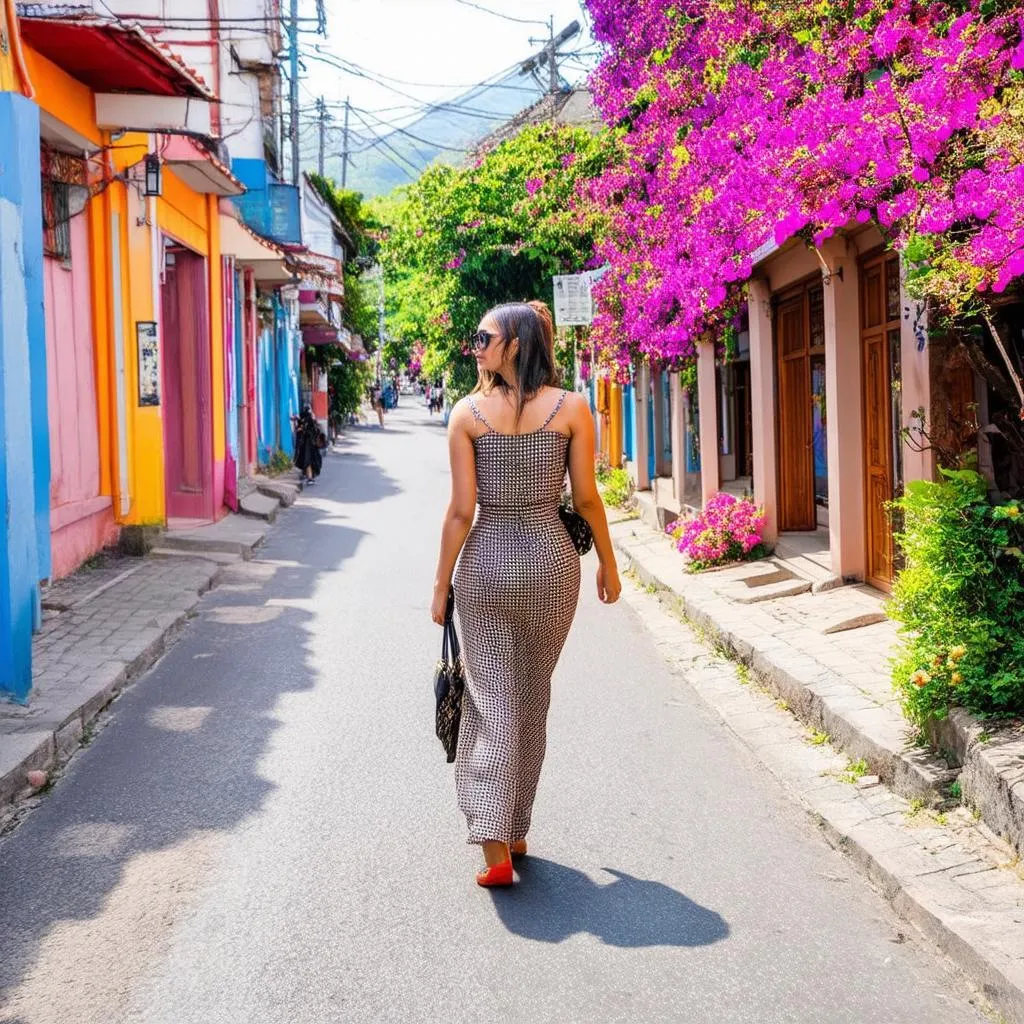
(992, 776)
(49, 749)
(958, 900)
(818, 696)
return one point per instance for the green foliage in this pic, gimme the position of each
(461, 240)
(279, 463)
(960, 599)
(348, 380)
(617, 488)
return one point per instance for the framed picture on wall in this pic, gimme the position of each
(149, 362)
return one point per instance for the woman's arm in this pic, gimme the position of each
(586, 499)
(461, 508)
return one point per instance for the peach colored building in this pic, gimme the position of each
(808, 417)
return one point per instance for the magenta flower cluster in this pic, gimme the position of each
(748, 123)
(729, 529)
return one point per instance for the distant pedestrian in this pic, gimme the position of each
(518, 576)
(377, 403)
(309, 444)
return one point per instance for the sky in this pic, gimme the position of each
(444, 46)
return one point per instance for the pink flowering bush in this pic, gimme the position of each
(749, 123)
(728, 530)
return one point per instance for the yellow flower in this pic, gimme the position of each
(956, 678)
(937, 661)
(920, 678)
(958, 652)
(1012, 511)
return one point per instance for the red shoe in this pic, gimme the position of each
(496, 876)
(518, 848)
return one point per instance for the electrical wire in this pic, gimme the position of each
(417, 138)
(384, 142)
(369, 72)
(499, 14)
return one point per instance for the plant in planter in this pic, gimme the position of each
(960, 599)
(728, 529)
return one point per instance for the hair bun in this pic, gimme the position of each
(546, 320)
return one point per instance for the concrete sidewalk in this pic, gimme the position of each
(822, 718)
(102, 627)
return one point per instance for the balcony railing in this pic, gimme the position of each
(273, 212)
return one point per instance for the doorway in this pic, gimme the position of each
(882, 411)
(188, 455)
(799, 325)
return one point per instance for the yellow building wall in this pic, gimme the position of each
(64, 97)
(216, 341)
(9, 80)
(615, 435)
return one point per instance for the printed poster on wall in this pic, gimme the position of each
(573, 305)
(149, 362)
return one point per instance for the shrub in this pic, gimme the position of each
(617, 488)
(959, 600)
(727, 530)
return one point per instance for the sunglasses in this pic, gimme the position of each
(481, 340)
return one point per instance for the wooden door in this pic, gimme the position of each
(188, 455)
(796, 437)
(880, 345)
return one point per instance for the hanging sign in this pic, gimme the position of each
(149, 362)
(573, 304)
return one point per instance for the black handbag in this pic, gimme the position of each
(449, 684)
(578, 528)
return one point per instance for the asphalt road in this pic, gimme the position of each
(265, 831)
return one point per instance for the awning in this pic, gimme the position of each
(250, 250)
(321, 336)
(198, 168)
(108, 56)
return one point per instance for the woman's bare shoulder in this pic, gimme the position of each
(461, 415)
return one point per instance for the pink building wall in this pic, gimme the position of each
(81, 518)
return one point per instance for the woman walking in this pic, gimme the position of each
(308, 457)
(518, 579)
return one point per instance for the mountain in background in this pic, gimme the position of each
(379, 165)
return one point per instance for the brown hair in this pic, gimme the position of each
(532, 325)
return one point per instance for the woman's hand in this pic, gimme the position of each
(608, 585)
(439, 604)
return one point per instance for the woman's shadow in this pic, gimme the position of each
(553, 902)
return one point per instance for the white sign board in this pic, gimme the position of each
(573, 304)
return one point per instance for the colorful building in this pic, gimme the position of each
(149, 337)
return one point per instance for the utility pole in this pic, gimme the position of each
(323, 117)
(549, 55)
(293, 82)
(380, 320)
(552, 65)
(344, 147)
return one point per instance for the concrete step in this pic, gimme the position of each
(285, 490)
(220, 557)
(260, 506)
(773, 591)
(234, 535)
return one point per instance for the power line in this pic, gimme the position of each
(384, 142)
(499, 14)
(417, 138)
(373, 75)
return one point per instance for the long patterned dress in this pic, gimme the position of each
(516, 591)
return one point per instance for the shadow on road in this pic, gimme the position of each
(131, 831)
(553, 902)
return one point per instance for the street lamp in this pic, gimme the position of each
(154, 184)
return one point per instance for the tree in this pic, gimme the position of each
(753, 122)
(461, 240)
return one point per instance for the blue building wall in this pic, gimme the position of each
(266, 399)
(269, 207)
(24, 431)
(628, 413)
